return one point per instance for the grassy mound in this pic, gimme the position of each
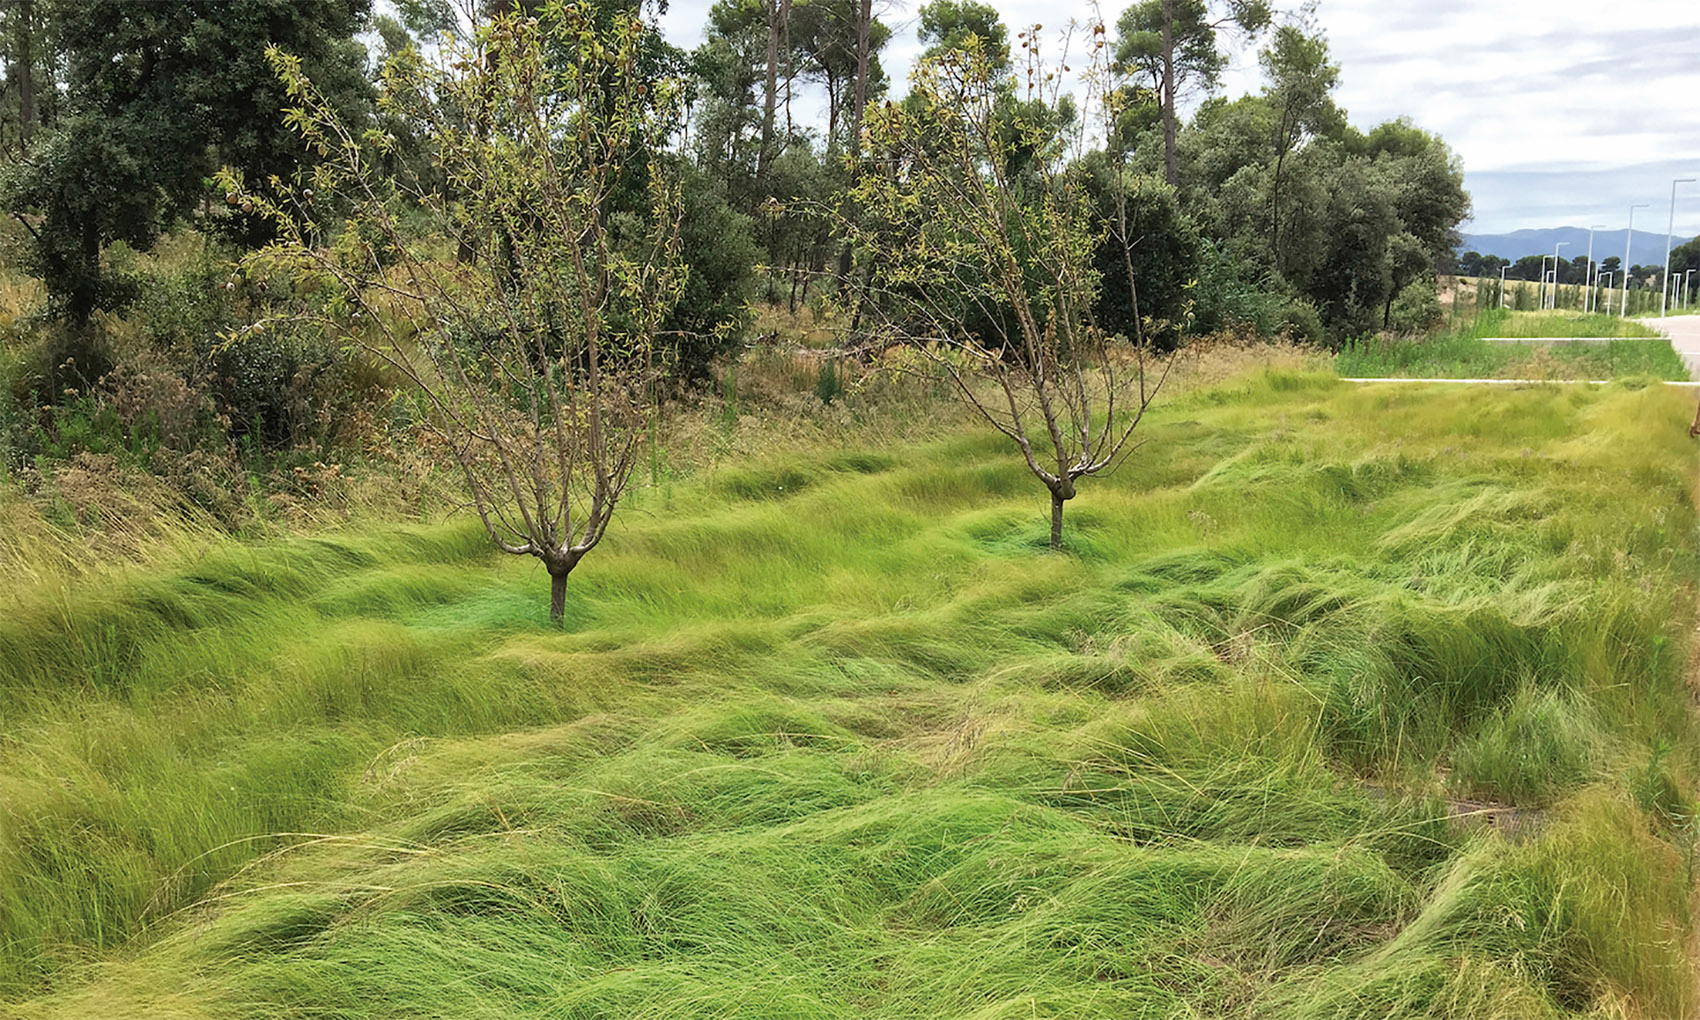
(835, 737)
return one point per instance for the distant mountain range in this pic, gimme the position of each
(1649, 249)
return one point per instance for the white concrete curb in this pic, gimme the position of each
(1570, 339)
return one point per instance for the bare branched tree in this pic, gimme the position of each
(979, 241)
(533, 355)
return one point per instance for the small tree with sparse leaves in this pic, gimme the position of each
(530, 336)
(972, 214)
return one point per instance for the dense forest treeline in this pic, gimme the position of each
(1267, 214)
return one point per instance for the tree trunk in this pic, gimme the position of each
(24, 69)
(1282, 144)
(787, 53)
(1056, 521)
(771, 99)
(1171, 165)
(85, 288)
(832, 104)
(864, 28)
(557, 597)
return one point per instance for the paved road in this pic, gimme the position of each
(1684, 333)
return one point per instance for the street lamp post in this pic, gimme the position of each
(1561, 244)
(1664, 308)
(1588, 272)
(1685, 286)
(1502, 270)
(1623, 307)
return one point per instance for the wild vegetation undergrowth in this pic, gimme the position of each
(1463, 353)
(191, 441)
(828, 734)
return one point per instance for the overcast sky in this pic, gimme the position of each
(1565, 112)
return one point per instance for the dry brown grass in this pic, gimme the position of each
(802, 328)
(92, 517)
(892, 399)
(91, 520)
(1213, 360)
(19, 295)
(774, 409)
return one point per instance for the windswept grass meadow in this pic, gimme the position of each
(1343, 702)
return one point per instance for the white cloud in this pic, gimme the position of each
(1607, 94)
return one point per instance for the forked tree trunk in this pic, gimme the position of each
(559, 570)
(1056, 521)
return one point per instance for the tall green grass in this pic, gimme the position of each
(834, 736)
(1463, 353)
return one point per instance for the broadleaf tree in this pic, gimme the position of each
(1301, 80)
(534, 359)
(155, 96)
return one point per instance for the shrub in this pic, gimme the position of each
(161, 381)
(1229, 298)
(1295, 319)
(1164, 249)
(711, 317)
(1416, 309)
(828, 385)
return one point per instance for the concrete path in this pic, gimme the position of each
(1684, 333)
(1502, 382)
(1550, 339)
